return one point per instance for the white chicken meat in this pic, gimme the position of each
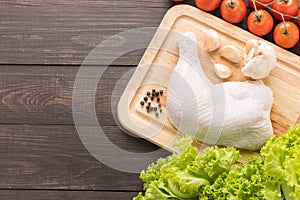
(231, 113)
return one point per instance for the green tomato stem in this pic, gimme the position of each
(230, 5)
(258, 17)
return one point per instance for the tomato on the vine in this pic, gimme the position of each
(288, 7)
(299, 17)
(233, 11)
(286, 34)
(207, 5)
(260, 22)
(258, 6)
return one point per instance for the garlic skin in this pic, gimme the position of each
(260, 60)
(222, 71)
(212, 40)
(231, 53)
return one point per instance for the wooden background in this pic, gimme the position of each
(42, 45)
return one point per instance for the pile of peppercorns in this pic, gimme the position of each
(152, 101)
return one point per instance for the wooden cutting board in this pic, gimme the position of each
(161, 56)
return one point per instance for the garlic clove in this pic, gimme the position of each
(231, 53)
(212, 40)
(269, 53)
(250, 44)
(249, 56)
(260, 61)
(256, 68)
(222, 71)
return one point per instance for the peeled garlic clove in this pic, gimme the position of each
(222, 71)
(212, 40)
(250, 44)
(231, 53)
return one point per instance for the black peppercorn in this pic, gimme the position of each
(142, 103)
(147, 107)
(148, 93)
(152, 98)
(149, 103)
(153, 90)
(161, 92)
(159, 105)
(160, 110)
(155, 108)
(156, 94)
(158, 99)
(145, 98)
(156, 114)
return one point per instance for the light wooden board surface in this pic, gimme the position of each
(161, 57)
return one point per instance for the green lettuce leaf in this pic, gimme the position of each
(184, 174)
(214, 161)
(213, 174)
(182, 183)
(185, 154)
(282, 161)
(245, 181)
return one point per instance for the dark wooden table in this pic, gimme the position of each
(43, 44)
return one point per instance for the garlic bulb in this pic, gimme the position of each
(212, 40)
(222, 71)
(260, 59)
(231, 53)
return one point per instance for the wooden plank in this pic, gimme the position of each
(64, 195)
(39, 95)
(64, 32)
(53, 157)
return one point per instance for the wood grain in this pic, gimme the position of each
(64, 32)
(63, 195)
(36, 95)
(53, 157)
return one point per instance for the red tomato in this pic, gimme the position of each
(288, 7)
(299, 17)
(177, 1)
(286, 34)
(233, 11)
(260, 22)
(258, 6)
(207, 5)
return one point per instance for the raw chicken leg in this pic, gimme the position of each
(231, 113)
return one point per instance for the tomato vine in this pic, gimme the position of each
(268, 6)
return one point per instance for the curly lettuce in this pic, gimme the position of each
(183, 175)
(213, 174)
(245, 181)
(282, 161)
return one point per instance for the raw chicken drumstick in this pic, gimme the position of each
(229, 114)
